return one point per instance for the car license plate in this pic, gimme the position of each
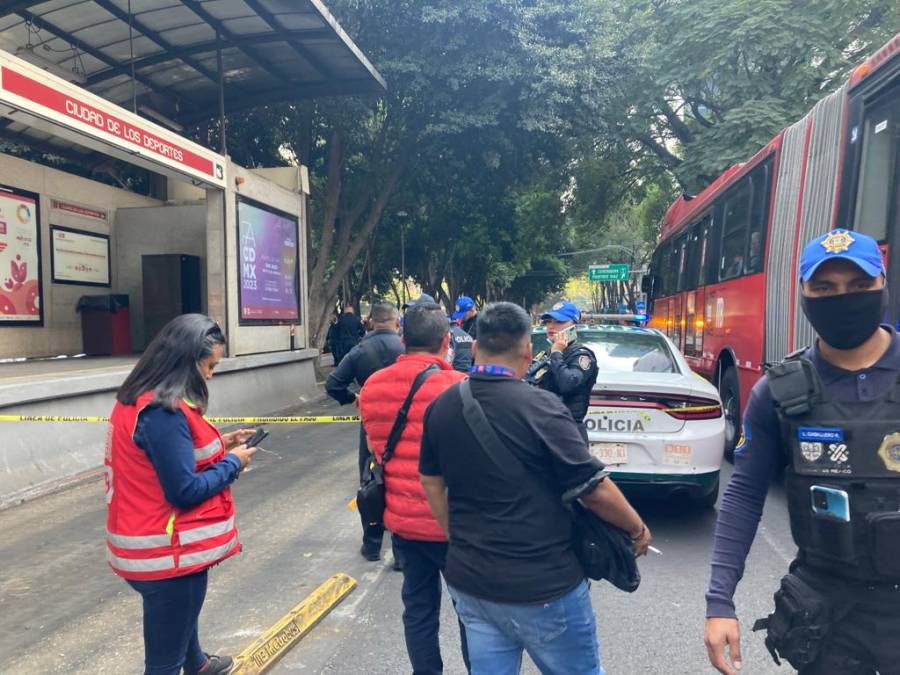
(610, 453)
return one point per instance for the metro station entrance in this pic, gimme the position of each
(183, 229)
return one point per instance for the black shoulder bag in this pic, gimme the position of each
(604, 550)
(370, 496)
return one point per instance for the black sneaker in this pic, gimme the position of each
(215, 665)
(369, 554)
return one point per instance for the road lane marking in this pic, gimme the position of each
(290, 629)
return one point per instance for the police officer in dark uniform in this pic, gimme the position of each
(378, 349)
(570, 368)
(460, 354)
(465, 314)
(831, 415)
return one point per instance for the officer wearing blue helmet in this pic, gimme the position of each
(569, 370)
(830, 414)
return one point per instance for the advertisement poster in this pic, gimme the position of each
(268, 264)
(20, 273)
(79, 257)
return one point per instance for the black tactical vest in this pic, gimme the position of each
(576, 401)
(836, 449)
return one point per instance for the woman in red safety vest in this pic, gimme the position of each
(170, 511)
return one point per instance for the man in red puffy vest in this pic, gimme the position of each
(417, 536)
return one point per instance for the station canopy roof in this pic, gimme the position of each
(271, 50)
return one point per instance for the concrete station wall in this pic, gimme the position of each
(155, 230)
(61, 332)
(37, 457)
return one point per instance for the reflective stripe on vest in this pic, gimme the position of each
(139, 541)
(206, 532)
(207, 451)
(209, 556)
(166, 562)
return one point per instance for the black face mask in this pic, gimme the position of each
(846, 321)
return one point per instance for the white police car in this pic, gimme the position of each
(656, 425)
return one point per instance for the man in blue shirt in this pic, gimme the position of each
(378, 349)
(830, 414)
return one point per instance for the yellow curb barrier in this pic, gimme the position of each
(320, 419)
(290, 629)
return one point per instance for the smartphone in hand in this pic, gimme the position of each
(257, 438)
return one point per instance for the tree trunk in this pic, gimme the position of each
(345, 252)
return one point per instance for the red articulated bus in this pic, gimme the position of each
(723, 282)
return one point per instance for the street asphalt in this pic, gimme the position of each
(63, 611)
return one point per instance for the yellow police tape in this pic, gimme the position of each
(288, 630)
(319, 419)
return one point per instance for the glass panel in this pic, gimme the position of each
(734, 235)
(681, 254)
(877, 175)
(690, 328)
(692, 258)
(631, 353)
(758, 219)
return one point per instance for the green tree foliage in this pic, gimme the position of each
(513, 130)
(705, 83)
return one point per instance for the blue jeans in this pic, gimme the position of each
(423, 563)
(171, 612)
(560, 636)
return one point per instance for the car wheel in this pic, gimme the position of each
(730, 393)
(708, 500)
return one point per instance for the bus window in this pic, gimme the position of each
(878, 171)
(758, 217)
(713, 225)
(655, 268)
(680, 253)
(693, 257)
(734, 231)
(669, 271)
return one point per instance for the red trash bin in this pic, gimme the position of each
(105, 325)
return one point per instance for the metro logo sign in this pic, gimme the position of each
(43, 94)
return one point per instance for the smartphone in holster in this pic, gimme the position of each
(832, 530)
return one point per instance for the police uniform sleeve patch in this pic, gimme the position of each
(744, 438)
(584, 362)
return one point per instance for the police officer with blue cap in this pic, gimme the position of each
(569, 370)
(466, 315)
(830, 416)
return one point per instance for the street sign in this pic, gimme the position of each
(609, 272)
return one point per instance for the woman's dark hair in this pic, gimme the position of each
(170, 365)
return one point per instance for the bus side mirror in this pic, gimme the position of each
(646, 283)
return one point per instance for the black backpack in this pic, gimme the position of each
(370, 496)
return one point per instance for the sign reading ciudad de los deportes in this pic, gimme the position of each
(609, 272)
(40, 94)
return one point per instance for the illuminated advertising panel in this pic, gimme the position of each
(268, 250)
